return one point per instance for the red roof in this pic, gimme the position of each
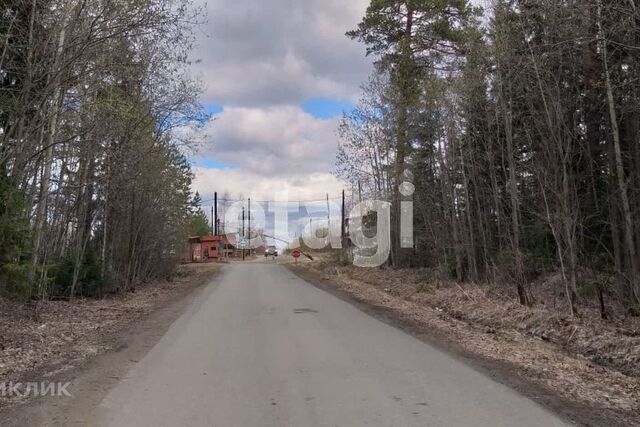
(208, 239)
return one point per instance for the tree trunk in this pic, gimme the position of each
(402, 143)
(515, 205)
(620, 173)
(56, 105)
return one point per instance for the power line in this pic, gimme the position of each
(220, 200)
(323, 200)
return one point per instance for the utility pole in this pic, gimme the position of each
(249, 239)
(212, 222)
(243, 231)
(215, 204)
(342, 234)
(328, 218)
(343, 231)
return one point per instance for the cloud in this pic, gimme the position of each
(279, 141)
(281, 51)
(238, 183)
(263, 64)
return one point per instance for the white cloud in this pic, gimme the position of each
(271, 149)
(260, 59)
(256, 52)
(273, 140)
(237, 182)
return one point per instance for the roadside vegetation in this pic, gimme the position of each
(518, 124)
(94, 186)
(66, 334)
(586, 367)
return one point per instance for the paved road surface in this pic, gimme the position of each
(264, 348)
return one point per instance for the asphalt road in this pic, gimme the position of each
(262, 347)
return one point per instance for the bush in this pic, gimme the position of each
(91, 283)
(17, 281)
(16, 272)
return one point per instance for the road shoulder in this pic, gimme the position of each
(444, 333)
(122, 346)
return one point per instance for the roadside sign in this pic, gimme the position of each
(242, 243)
(296, 253)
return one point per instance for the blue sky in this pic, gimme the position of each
(326, 108)
(212, 108)
(278, 76)
(319, 107)
(214, 164)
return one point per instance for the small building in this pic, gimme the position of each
(205, 249)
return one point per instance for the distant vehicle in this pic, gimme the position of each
(271, 251)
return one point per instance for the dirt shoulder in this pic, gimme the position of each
(70, 334)
(463, 321)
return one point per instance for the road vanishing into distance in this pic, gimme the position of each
(262, 347)
(259, 346)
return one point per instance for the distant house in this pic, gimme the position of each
(205, 249)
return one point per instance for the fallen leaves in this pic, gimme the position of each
(68, 332)
(585, 360)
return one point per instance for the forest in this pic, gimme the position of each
(518, 123)
(94, 188)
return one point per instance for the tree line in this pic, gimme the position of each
(94, 189)
(519, 125)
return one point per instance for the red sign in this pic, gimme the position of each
(296, 253)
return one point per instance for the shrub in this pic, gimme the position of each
(16, 272)
(91, 283)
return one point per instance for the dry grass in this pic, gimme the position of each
(67, 332)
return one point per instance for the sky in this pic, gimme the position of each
(278, 75)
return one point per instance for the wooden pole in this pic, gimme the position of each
(342, 226)
(243, 231)
(328, 218)
(215, 208)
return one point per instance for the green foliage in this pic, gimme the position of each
(107, 191)
(90, 280)
(446, 268)
(16, 272)
(199, 224)
(437, 24)
(17, 281)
